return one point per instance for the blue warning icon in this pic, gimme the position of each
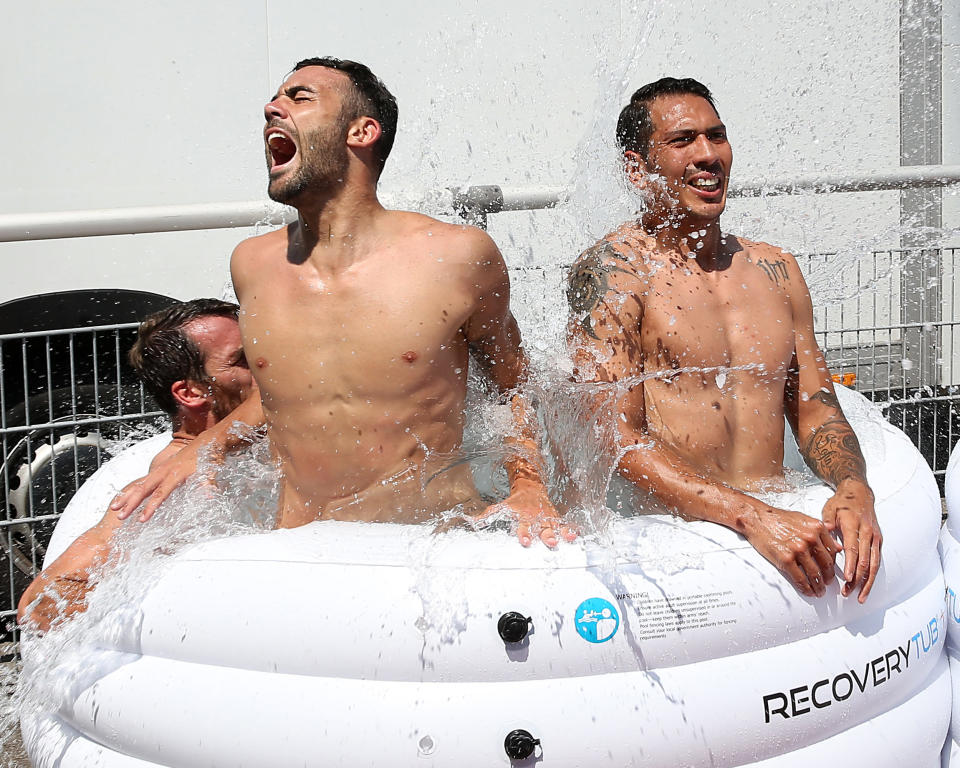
(596, 620)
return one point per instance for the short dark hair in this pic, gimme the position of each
(371, 99)
(634, 127)
(164, 354)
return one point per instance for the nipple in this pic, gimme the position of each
(410, 356)
(261, 362)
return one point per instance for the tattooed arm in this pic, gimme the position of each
(831, 449)
(604, 330)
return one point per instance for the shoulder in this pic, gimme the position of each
(759, 251)
(465, 239)
(461, 247)
(612, 263)
(252, 248)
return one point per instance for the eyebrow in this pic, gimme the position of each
(292, 91)
(688, 131)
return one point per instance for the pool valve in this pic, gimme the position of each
(513, 626)
(519, 744)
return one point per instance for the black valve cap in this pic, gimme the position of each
(519, 744)
(513, 627)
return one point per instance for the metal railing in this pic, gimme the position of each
(66, 394)
(66, 397)
(472, 203)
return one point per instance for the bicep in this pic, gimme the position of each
(813, 396)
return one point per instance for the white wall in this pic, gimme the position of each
(118, 104)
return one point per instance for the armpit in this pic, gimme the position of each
(588, 282)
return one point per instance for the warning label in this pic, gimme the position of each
(661, 615)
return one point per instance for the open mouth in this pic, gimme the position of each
(707, 184)
(281, 147)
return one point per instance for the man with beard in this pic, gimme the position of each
(190, 359)
(710, 340)
(358, 322)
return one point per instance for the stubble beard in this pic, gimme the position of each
(322, 166)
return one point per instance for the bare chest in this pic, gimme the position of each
(735, 319)
(351, 334)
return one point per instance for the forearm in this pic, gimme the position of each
(687, 492)
(832, 451)
(524, 461)
(62, 587)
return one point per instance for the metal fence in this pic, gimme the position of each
(910, 369)
(68, 396)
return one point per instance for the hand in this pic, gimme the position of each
(535, 514)
(157, 485)
(798, 545)
(850, 513)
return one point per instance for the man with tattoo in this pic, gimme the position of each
(710, 340)
(358, 323)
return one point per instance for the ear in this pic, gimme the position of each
(190, 395)
(636, 169)
(363, 132)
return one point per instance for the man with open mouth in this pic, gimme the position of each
(708, 338)
(358, 323)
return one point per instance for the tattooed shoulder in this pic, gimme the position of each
(588, 281)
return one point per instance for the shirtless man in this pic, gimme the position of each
(358, 323)
(711, 339)
(190, 359)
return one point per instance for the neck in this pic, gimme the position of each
(332, 226)
(187, 426)
(698, 240)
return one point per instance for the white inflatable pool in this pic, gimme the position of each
(89, 504)
(950, 555)
(342, 644)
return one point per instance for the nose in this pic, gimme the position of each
(705, 151)
(273, 109)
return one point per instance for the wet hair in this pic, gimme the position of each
(163, 353)
(371, 99)
(634, 127)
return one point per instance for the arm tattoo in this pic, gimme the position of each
(587, 282)
(775, 270)
(829, 399)
(833, 453)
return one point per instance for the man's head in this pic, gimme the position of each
(190, 358)
(671, 128)
(325, 110)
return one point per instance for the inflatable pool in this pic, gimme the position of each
(950, 555)
(674, 644)
(90, 503)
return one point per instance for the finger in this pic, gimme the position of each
(153, 503)
(812, 571)
(523, 533)
(851, 550)
(865, 546)
(549, 536)
(568, 533)
(874, 569)
(824, 557)
(830, 544)
(799, 579)
(829, 515)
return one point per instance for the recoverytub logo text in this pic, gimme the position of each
(823, 693)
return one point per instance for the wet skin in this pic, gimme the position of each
(200, 405)
(357, 323)
(711, 339)
(362, 369)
